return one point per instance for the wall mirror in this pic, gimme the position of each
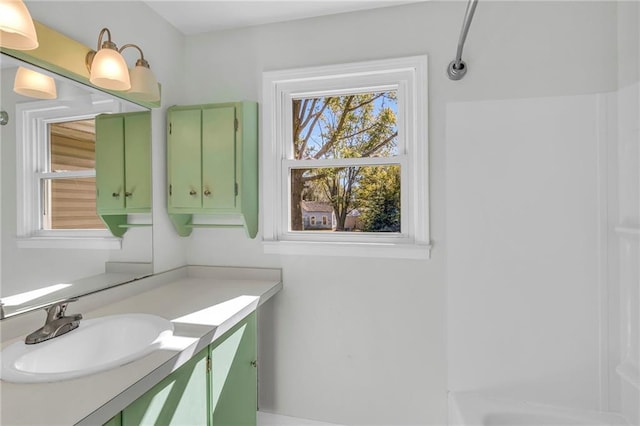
(48, 161)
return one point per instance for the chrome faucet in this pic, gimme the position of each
(56, 324)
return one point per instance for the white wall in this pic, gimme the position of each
(523, 248)
(624, 296)
(359, 341)
(25, 269)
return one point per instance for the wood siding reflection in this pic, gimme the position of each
(73, 201)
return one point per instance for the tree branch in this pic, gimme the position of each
(365, 102)
(376, 147)
(337, 131)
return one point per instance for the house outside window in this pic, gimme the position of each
(56, 176)
(351, 138)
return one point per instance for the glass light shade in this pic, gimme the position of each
(34, 84)
(144, 84)
(109, 70)
(16, 26)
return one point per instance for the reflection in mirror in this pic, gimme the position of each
(56, 240)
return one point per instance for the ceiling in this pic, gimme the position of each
(194, 17)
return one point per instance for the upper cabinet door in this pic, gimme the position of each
(219, 158)
(110, 162)
(137, 152)
(185, 159)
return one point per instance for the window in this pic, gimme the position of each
(68, 183)
(347, 142)
(56, 176)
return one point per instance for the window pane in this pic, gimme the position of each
(353, 199)
(72, 145)
(351, 126)
(71, 204)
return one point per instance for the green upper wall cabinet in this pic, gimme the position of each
(213, 164)
(123, 167)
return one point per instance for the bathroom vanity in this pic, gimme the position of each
(205, 374)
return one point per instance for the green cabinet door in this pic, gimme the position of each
(219, 158)
(185, 158)
(234, 384)
(137, 154)
(110, 162)
(180, 399)
(115, 421)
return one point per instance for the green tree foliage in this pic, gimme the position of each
(379, 199)
(351, 126)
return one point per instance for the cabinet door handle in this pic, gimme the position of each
(116, 195)
(192, 192)
(207, 192)
(128, 194)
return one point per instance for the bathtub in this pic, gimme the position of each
(472, 409)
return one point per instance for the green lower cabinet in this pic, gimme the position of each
(180, 399)
(234, 378)
(217, 387)
(115, 421)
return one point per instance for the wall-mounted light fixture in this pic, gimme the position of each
(144, 84)
(109, 70)
(107, 66)
(34, 84)
(16, 26)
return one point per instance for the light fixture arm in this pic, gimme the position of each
(140, 62)
(107, 44)
(88, 60)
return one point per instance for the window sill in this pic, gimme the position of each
(85, 243)
(372, 250)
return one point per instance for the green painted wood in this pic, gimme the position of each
(65, 56)
(248, 135)
(234, 376)
(110, 163)
(115, 421)
(184, 158)
(179, 399)
(137, 152)
(182, 223)
(218, 158)
(117, 223)
(229, 157)
(123, 167)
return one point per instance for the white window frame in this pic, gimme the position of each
(408, 76)
(32, 138)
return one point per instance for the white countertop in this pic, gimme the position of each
(203, 303)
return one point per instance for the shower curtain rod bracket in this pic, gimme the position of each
(458, 68)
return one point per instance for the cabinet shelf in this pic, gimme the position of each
(134, 225)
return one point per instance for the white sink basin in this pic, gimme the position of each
(96, 345)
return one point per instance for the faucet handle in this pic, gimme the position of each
(58, 309)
